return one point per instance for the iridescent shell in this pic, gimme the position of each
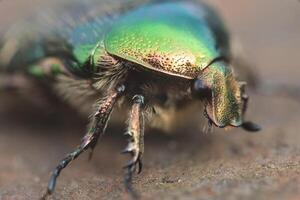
(176, 38)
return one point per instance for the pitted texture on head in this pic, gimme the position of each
(225, 106)
(170, 37)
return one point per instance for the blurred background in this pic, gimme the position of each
(221, 165)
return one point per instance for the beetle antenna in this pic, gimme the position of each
(245, 98)
(247, 125)
(251, 126)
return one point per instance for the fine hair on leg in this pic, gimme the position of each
(99, 124)
(135, 146)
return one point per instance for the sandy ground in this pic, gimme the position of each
(221, 165)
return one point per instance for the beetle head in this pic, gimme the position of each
(220, 91)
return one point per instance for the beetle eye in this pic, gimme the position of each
(200, 89)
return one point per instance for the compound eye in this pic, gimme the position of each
(200, 89)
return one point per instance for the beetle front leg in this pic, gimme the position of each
(136, 142)
(97, 129)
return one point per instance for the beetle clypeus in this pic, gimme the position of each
(149, 56)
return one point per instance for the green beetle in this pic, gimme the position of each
(150, 56)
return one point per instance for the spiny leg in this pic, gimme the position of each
(100, 119)
(99, 123)
(136, 142)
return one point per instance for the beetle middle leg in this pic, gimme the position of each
(135, 146)
(98, 127)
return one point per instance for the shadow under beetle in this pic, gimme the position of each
(155, 55)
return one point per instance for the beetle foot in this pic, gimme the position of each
(135, 164)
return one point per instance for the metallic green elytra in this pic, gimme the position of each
(173, 38)
(159, 59)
